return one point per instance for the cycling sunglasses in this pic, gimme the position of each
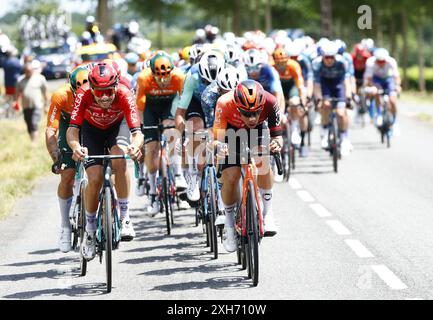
(101, 92)
(250, 114)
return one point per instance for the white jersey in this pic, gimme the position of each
(373, 69)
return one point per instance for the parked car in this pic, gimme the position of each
(56, 61)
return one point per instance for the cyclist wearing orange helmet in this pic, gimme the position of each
(99, 109)
(157, 90)
(62, 102)
(292, 83)
(253, 116)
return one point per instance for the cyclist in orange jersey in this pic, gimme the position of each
(62, 103)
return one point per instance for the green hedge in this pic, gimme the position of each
(413, 77)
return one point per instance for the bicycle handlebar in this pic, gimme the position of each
(276, 155)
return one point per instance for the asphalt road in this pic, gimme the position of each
(364, 233)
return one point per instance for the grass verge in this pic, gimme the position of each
(21, 163)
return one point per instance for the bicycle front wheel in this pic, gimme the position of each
(108, 236)
(167, 204)
(214, 211)
(82, 227)
(252, 237)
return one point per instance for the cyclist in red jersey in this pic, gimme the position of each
(99, 109)
(249, 114)
(360, 56)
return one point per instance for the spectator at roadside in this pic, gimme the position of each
(32, 90)
(12, 70)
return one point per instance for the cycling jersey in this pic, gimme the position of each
(291, 71)
(306, 67)
(269, 78)
(209, 100)
(338, 72)
(348, 57)
(150, 92)
(359, 61)
(227, 114)
(193, 88)
(389, 69)
(123, 106)
(62, 103)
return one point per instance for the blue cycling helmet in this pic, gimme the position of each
(132, 58)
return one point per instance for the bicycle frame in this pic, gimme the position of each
(249, 177)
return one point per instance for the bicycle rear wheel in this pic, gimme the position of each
(252, 237)
(81, 228)
(108, 236)
(333, 146)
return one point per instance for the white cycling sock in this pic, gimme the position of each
(141, 170)
(230, 212)
(176, 162)
(152, 183)
(90, 221)
(65, 206)
(266, 195)
(124, 208)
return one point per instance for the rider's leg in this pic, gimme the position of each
(230, 191)
(122, 182)
(65, 193)
(151, 160)
(94, 179)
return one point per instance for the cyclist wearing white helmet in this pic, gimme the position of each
(189, 109)
(265, 74)
(382, 72)
(348, 57)
(226, 81)
(233, 57)
(332, 81)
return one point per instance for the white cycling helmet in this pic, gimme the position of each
(195, 50)
(253, 57)
(329, 48)
(295, 48)
(210, 65)
(228, 78)
(381, 54)
(368, 44)
(232, 53)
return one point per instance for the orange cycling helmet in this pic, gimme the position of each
(161, 64)
(249, 96)
(280, 54)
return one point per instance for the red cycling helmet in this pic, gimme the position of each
(249, 96)
(359, 49)
(103, 75)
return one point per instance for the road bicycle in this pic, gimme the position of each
(249, 219)
(107, 219)
(384, 118)
(77, 213)
(166, 192)
(208, 209)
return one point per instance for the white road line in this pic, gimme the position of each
(320, 210)
(295, 184)
(305, 196)
(360, 250)
(389, 277)
(338, 227)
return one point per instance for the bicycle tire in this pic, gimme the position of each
(252, 236)
(214, 212)
(333, 145)
(166, 202)
(285, 157)
(108, 236)
(81, 228)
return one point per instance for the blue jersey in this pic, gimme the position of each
(269, 79)
(209, 100)
(337, 73)
(193, 87)
(306, 67)
(348, 57)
